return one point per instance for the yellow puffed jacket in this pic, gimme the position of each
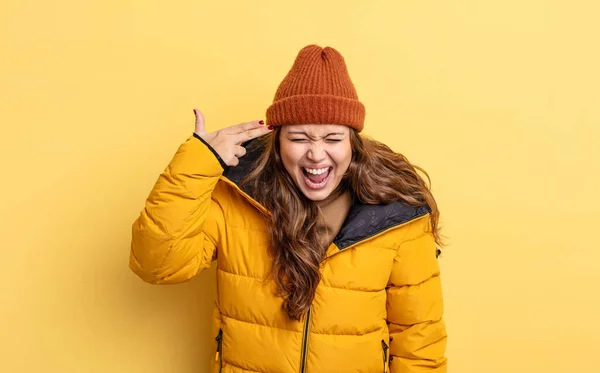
(378, 307)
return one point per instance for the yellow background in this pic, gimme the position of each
(497, 100)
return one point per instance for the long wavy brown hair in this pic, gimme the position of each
(376, 175)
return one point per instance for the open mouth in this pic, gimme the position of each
(316, 178)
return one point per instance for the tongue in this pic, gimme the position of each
(317, 179)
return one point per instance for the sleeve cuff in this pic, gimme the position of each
(223, 164)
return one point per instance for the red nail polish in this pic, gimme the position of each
(271, 127)
(261, 122)
(194, 111)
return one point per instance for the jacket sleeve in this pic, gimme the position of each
(182, 223)
(415, 304)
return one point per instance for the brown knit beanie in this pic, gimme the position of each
(317, 90)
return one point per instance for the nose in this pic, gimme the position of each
(316, 153)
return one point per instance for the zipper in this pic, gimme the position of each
(305, 343)
(218, 356)
(385, 355)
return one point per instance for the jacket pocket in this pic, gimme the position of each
(385, 349)
(219, 354)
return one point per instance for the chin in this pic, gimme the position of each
(316, 196)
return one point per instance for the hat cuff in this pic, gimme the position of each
(317, 109)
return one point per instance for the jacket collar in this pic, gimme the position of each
(364, 221)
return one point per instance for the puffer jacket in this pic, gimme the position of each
(378, 307)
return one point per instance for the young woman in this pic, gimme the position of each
(325, 241)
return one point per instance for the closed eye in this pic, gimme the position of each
(306, 140)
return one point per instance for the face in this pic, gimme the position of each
(316, 156)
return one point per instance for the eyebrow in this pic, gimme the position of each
(305, 134)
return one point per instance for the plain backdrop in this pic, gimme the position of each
(497, 100)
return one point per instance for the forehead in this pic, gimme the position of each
(316, 130)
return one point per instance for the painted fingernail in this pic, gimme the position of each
(194, 111)
(271, 127)
(261, 122)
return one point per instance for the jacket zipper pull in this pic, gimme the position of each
(385, 355)
(218, 339)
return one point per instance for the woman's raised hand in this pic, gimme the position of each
(226, 142)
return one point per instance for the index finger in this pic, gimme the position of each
(243, 127)
(252, 134)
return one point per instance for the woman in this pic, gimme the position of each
(325, 241)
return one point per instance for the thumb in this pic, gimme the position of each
(199, 126)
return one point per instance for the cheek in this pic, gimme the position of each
(342, 157)
(290, 157)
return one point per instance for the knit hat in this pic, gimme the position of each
(317, 90)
